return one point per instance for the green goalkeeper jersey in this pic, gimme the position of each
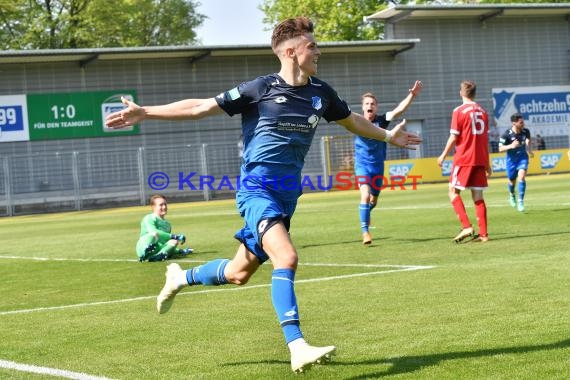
(153, 223)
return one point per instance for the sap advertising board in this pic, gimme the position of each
(546, 109)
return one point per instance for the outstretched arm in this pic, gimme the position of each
(188, 109)
(359, 125)
(404, 104)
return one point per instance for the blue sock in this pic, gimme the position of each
(511, 188)
(285, 303)
(211, 273)
(364, 209)
(522, 189)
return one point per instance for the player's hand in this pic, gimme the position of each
(180, 237)
(489, 171)
(440, 160)
(515, 144)
(186, 251)
(416, 88)
(127, 117)
(402, 138)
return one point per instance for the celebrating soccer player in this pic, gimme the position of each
(279, 114)
(370, 154)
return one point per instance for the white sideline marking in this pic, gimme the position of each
(49, 371)
(86, 260)
(403, 268)
(35, 258)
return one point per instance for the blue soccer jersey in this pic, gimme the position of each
(371, 153)
(519, 153)
(279, 122)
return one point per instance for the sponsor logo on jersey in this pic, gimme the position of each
(549, 161)
(280, 100)
(317, 103)
(400, 169)
(313, 120)
(234, 93)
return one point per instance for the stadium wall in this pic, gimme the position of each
(526, 51)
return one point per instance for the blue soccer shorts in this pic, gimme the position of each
(374, 175)
(513, 167)
(261, 210)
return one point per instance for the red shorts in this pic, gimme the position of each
(468, 177)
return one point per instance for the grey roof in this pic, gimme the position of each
(480, 11)
(193, 53)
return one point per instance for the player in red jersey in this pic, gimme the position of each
(469, 135)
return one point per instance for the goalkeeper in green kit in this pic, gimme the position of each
(156, 242)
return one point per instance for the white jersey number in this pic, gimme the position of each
(477, 123)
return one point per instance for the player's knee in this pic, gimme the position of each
(289, 260)
(453, 193)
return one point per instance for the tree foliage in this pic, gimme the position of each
(335, 20)
(343, 20)
(65, 24)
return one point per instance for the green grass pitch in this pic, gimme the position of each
(413, 305)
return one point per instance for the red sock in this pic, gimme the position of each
(481, 212)
(459, 208)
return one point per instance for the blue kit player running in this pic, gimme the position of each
(516, 142)
(370, 154)
(279, 114)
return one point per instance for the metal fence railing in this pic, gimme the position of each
(66, 181)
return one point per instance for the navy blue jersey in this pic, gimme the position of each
(509, 137)
(279, 122)
(370, 151)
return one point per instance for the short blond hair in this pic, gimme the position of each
(469, 89)
(154, 197)
(369, 95)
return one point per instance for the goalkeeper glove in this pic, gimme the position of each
(181, 238)
(186, 251)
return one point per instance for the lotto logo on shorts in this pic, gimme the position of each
(499, 164)
(549, 161)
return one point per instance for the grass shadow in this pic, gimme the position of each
(407, 364)
(413, 363)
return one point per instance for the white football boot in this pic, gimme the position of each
(171, 288)
(466, 232)
(305, 356)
